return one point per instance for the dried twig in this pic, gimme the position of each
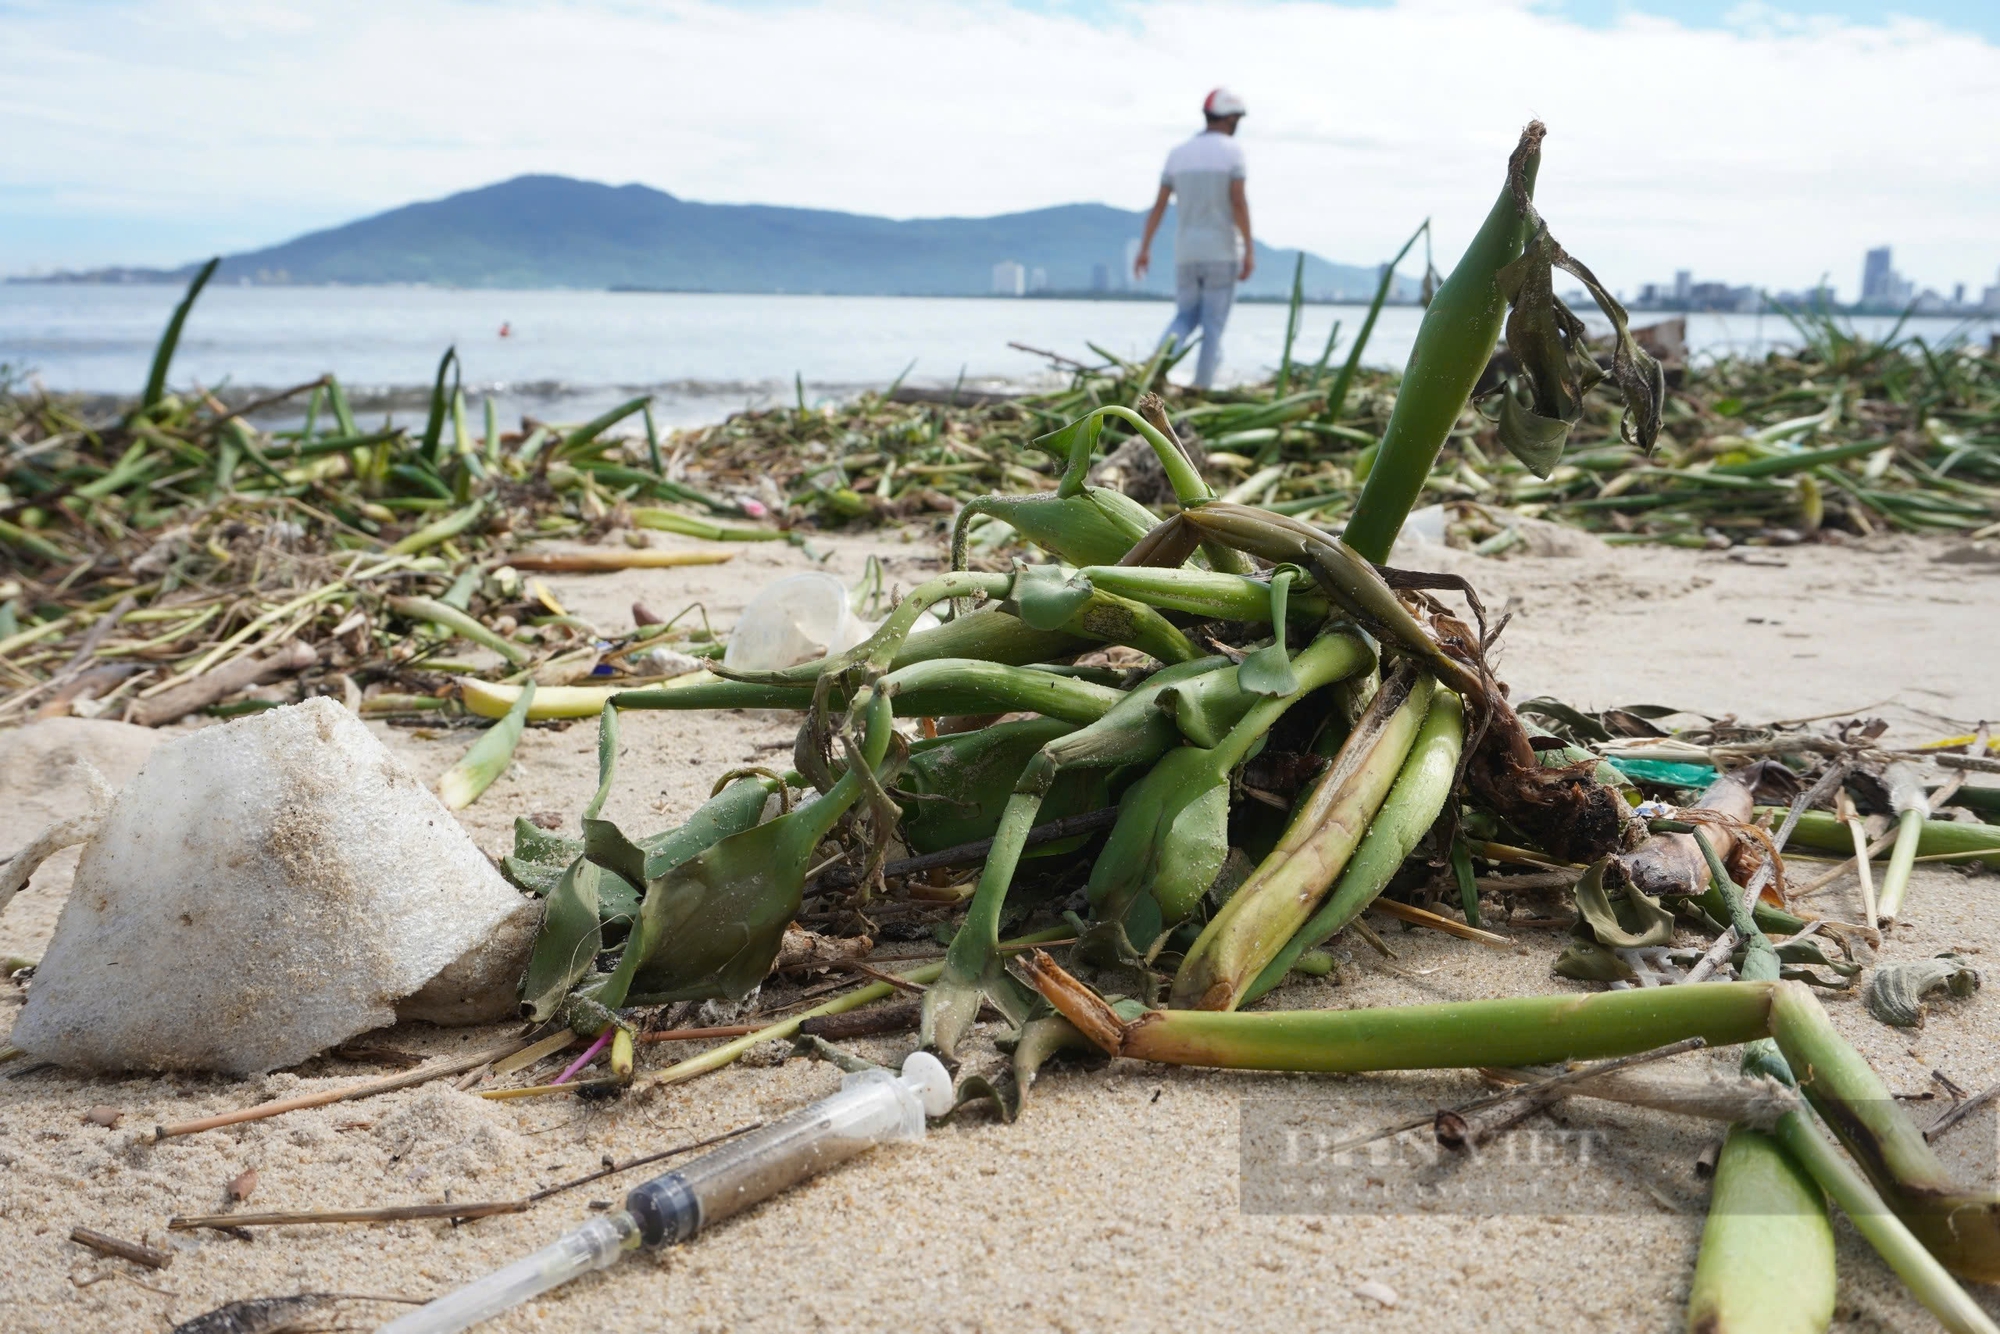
(389, 1214)
(221, 683)
(1555, 1082)
(1959, 1113)
(457, 1065)
(137, 1252)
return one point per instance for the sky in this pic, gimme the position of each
(1764, 142)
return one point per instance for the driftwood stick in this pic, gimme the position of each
(597, 562)
(224, 681)
(1559, 1081)
(394, 1213)
(457, 1065)
(397, 1213)
(1959, 1113)
(105, 1244)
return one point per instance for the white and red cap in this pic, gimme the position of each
(1221, 102)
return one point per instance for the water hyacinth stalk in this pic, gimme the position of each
(489, 699)
(1766, 1260)
(1137, 730)
(434, 424)
(1913, 1257)
(442, 530)
(1336, 397)
(488, 757)
(163, 355)
(1412, 807)
(1279, 897)
(1454, 343)
(1913, 807)
(1823, 832)
(673, 521)
(1959, 1226)
(1207, 593)
(1523, 1030)
(459, 623)
(1173, 823)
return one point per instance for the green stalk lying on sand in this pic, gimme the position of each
(1766, 1261)
(1822, 831)
(488, 757)
(1960, 1227)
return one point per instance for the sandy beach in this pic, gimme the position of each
(1113, 1203)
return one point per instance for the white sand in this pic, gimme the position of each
(1114, 1203)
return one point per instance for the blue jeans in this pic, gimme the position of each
(1203, 293)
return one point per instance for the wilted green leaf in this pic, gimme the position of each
(1896, 992)
(567, 943)
(1634, 920)
(1073, 446)
(1046, 599)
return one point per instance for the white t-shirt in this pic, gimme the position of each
(1199, 172)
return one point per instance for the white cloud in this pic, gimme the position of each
(1768, 150)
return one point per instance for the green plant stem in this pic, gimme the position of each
(1412, 806)
(440, 530)
(1201, 592)
(459, 623)
(1928, 1280)
(163, 355)
(1280, 896)
(1336, 397)
(1902, 860)
(1766, 1259)
(1522, 1030)
(1822, 831)
(1453, 345)
(487, 758)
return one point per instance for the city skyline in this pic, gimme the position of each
(1881, 288)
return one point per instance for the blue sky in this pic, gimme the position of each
(1980, 16)
(1756, 142)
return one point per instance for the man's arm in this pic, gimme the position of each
(1144, 260)
(1239, 204)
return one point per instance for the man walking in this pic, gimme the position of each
(1212, 246)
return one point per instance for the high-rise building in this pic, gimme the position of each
(1009, 278)
(1683, 284)
(1038, 279)
(1131, 260)
(1100, 277)
(1877, 278)
(1989, 300)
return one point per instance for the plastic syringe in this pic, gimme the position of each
(873, 1107)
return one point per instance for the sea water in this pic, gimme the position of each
(565, 355)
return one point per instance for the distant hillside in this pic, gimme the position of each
(552, 231)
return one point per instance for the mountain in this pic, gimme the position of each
(552, 231)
